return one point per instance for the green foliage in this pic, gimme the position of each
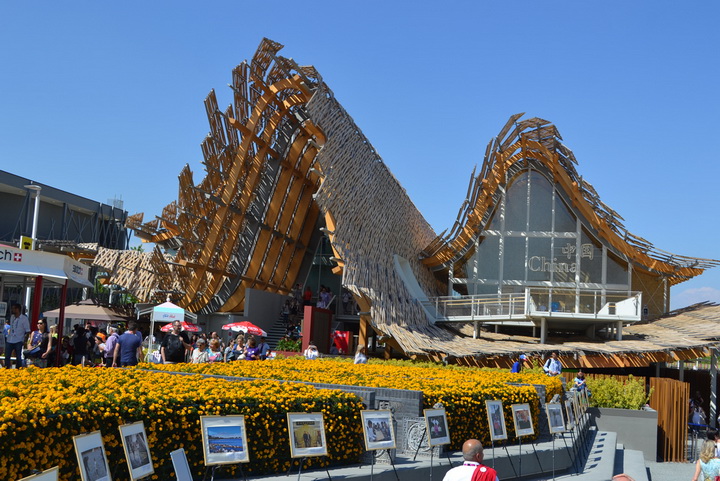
(608, 392)
(289, 345)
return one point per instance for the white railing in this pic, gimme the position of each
(539, 302)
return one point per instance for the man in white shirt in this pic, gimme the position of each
(472, 469)
(552, 366)
(16, 336)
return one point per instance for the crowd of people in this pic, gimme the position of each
(113, 346)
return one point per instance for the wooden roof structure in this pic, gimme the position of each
(537, 140)
(286, 157)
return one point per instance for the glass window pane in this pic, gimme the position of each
(564, 219)
(488, 258)
(541, 202)
(494, 223)
(564, 260)
(514, 259)
(617, 270)
(516, 204)
(485, 289)
(590, 259)
(539, 255)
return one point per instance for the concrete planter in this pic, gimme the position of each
(636, 429)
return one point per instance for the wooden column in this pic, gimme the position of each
(363, 333)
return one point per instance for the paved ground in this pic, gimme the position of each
(670, 471)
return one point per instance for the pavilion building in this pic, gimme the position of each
(294, 193)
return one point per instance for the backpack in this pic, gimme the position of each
(174, 348)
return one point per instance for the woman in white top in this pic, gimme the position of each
(311, 352)
(361, 355)
(201, 353)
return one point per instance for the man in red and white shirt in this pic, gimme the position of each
(472, 469)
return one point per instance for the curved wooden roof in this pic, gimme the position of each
(286, 155)
(535, 139)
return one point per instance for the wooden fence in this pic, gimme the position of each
(670, 399)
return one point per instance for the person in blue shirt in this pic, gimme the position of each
(518, 365)
(128, 347)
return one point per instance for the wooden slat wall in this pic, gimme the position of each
(670, 399)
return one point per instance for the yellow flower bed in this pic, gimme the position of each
(41, 409)
(461, 390)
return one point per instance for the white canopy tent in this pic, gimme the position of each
(165, 312)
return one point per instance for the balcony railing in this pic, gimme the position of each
(537, 302)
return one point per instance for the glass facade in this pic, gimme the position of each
(535, 240)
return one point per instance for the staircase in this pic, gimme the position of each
(275, 333)
(607, 458)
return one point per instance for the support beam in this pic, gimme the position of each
(681, 371)
(543, 330)
(618, 330)
(363, 332)
(713, 387)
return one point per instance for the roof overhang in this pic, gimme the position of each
(18, 265)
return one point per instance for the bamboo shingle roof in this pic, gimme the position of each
(285, 155)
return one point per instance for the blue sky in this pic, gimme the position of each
(106, 99)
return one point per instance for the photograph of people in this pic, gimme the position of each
(522, 419)
(378, 429)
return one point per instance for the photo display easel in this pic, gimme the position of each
(307, 437)
(522, 419)
(496, 424)
(556, 425)
(90, 451)
(224, 441)
(137, 450)
(47, 475)
(379, 435)
(436, 428)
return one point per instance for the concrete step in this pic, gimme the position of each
(633, 464)
(600, 462)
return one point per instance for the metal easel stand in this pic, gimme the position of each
(542, 470)
(422, 438)
(217, 466)
(512, 465)
(302, 460)
(432, 452)
(392, 463)
(553, 456)
(572, 452)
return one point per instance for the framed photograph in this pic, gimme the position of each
(181, 466)
(570, 412)
(522, 420)
(378, 429)
(555, 417)
(137, 450)
(307, 435)
(577, 408)
(90, 451)
(224, 439)
(47, 475)
(437, 427)
(496, 420)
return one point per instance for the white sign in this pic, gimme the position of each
(34, 263)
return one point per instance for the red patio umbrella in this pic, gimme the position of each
(186, 326)
(246, 327)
